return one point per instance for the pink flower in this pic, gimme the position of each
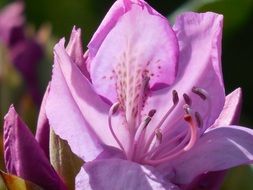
(145, 108)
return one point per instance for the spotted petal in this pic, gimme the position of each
(199, 37)
(141, 44)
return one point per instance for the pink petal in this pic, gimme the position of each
(231, 110)
(24, 156)
(75, 112)
(42, 129)
(111, 18)
(116, 174)
(140, 43)
(218, 149)
(75, 50)
(199, 37)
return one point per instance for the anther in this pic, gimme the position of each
(159, 135)
(187, 99)
(175, 97)
(151, 113)
(115, 108)
(199, 119)
(200, 92)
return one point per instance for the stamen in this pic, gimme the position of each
(140, 133)
(151, 113)
(193, 128)
(175, 99)
(200, 92)
(199, 119)
(114, 108)
(187, 99)
(203, 94)
(173, 154)
(159, 136)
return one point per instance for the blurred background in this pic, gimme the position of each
(47, 21)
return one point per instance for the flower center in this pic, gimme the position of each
(155, 149)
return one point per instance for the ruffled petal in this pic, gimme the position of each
(141, 44)
(231, 110)
(24, 156)
(119, 174)
(218, 149)
(75, 112)
(199, 37)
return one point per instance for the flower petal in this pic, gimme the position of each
(119, 174)
(199, 37)
(73, 109)
(219, 149)
(111, 18)
(75, 50)
(24, 157)
(141, 44)
(42, 129)
(231, 110)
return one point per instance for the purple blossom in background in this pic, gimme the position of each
(144, 107)
(25, 53)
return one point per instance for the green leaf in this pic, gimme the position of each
(239, 178)
(13, 182)
(65, 162)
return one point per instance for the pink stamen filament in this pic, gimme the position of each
(112, 111)
(150, 139)
(173, 153)
(159, 149)
(175, 149)
(140, 133)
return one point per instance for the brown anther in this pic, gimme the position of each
(115, 108)
(147, 120)
(187, 99)
(200, 92)
(151, 113)
(175, 97)
(199, 119)
(159, 135)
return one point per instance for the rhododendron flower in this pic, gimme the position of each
(25, 53)
(145, 106)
